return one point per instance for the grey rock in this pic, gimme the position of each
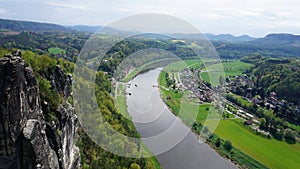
(60, 81)
(27, 141)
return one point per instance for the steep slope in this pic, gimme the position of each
(26, 139)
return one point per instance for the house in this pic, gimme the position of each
(249, 116)
(248, 122)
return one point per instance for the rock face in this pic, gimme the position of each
(27, 141)
(60, 82)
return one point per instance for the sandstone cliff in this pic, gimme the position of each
(26, 139)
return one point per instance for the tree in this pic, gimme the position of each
(278, 135)
(135, 166)
(290, 136)
(218, 142)
(228, 145)
(262, 124)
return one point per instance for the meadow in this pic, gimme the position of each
(56, 51)
(233, 68)
(271, 152)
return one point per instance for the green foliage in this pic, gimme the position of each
(40, 42)
(127, 47)
(240, 101)
(253, 59)
(47, 94)
(135, 166)
(94, 156)
(290, 136)
(4, 52)
(262, 124)
(41, 64)
(280, 76)
(228, 145)
(218, 142)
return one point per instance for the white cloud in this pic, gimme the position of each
(64, 5)
(4, 11)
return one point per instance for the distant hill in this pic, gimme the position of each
(212, 37)
(273, 45)
(227, 45)
(15, 25)
(84, 28)
(229, 38)
(279, 39)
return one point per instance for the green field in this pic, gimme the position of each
(272, 153)
(177, 66)
(230, 69)
(56, 51)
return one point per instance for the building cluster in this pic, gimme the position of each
(198, 89)
(240, 84)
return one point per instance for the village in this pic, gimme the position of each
(188, 80)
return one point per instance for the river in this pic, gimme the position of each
(175, 146)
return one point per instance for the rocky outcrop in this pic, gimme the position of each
(26, 139)
(60, 81)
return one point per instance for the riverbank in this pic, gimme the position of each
(173, 142)
(172, 98)
(120, 98)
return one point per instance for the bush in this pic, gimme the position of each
(228, 145)
(135, 166)
(278, 135)
(289, 136)
(218, 142)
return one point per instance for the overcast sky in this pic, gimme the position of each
(253, 17)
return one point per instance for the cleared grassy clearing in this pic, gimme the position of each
(56, 51)
(272, 153)
(230, 69)
(177, 66)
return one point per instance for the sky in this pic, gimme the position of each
(256, 18)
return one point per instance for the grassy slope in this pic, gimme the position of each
(272, 153)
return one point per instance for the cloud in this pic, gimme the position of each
(62, 5)
(4, 11)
